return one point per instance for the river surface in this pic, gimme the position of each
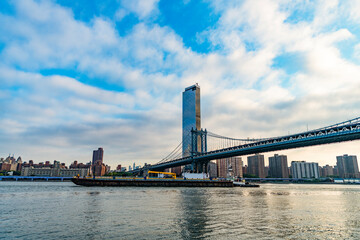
(61, 210)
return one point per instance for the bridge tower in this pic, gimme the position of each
(198, 146)
(198, 142)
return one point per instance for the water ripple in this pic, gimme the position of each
(53, 210)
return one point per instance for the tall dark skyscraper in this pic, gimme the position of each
(278, 166)
(98, 155)
(191, 115)
(347, 166)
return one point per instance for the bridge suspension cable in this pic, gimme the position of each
(351, 121)
(177, 152)
(211, 134)
(216, 141)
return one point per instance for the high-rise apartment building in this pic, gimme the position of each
(98, 155)
(266, 171)
(347, 166)
(98, 167)
(302, 169)
(176, 170)
(236, 167)
(212, 169)
(278, 166)
(230, 167)
(244, 169)
(256, 165)
(222, 168)
(336, 171)
(326, 171)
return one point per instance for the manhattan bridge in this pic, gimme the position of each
(199, 146)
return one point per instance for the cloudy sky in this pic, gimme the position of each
(78, 75)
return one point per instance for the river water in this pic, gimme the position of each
(61, 210)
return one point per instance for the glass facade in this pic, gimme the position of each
(191, 116)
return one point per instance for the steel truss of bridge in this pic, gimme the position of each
(340, 132)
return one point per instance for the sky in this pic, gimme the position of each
(78, 75)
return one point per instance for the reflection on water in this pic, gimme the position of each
(48, 210)
(193, 206)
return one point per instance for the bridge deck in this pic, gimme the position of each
(333, 134)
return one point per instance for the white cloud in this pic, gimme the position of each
(326, 13)
(142, 8)
(150, 64)
(357, 51)
(353, 8)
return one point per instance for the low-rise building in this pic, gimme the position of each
(82, 172)
(10, 164)
(56, 171)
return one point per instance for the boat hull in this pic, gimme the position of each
(149, 183)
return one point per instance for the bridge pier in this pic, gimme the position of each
(199, 167)
(193, 166)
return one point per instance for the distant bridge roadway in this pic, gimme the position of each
(341, 132)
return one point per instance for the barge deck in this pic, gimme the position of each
(150, 182)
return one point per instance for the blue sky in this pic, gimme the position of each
(78, 75)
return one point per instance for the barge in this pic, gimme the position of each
(149, 183)
(90, 182)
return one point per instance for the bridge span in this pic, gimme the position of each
(340, 132)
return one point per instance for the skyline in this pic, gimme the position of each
(78, 76)
(266, 156)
